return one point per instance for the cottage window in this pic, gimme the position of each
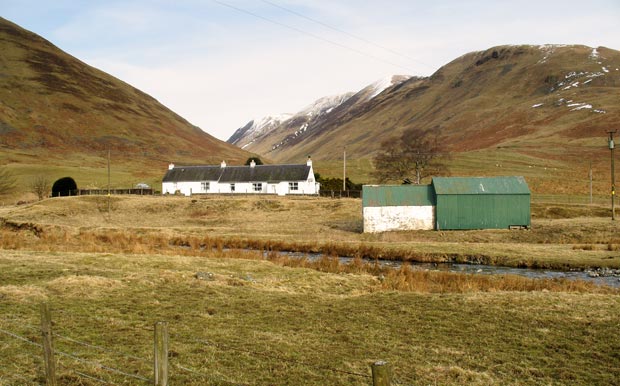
(232, 187)
(257, 186)
(205, 186)
(293, 186)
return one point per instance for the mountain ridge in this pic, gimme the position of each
(303, 123)
(483, 99)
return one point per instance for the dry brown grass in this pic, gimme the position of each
(403, 279)
(409, 279)
(22, 293)
(332, 227)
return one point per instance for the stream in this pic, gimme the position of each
(608, 277)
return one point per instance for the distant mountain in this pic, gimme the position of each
(247, 134)
(530, 105)
(57, 110)
(285, 131)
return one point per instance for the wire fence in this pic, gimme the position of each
(90, 363)
(570, 199)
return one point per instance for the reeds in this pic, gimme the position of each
(403, 279)
(408, 279)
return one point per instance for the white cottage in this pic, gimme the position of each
(252, 179)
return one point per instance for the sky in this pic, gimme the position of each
(222, 63)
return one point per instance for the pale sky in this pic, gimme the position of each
(221, 63)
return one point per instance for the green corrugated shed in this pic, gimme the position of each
(397, 195)
(481, 202)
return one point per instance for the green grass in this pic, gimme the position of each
(257, 323)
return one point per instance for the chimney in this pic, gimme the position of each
(223, 164)
(252, 163)
(309, 161)
(170, 166)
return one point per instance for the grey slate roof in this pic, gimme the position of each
(258, 173)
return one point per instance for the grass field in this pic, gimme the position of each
(238, 313)
(257, 323)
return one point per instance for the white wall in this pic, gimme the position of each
(188, 188)
(395, 218)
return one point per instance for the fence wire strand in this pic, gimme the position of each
(271, 356)
(101, 366)
(93, 378)
(211, 378)
(76, 358)
(81, 343)
(178, 366)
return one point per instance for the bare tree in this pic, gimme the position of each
(409, 159)
(8, 182)
(41, 186)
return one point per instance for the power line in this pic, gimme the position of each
(362, 39)
(310, 34)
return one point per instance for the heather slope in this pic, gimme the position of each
(537, 111)
(58, 111)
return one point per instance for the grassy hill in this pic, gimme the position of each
(59, 116)
(538, 111)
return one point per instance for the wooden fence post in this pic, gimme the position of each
(161, 354)
(380, 373)
(48, 345)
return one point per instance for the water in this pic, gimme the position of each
(481, 269)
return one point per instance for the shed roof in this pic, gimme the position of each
(397, 195)
(258, 173)
(480, 185)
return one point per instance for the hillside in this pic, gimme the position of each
(528, 109)
(56, 111)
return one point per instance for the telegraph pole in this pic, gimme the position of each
(344, 170)
(108, 181)
(613, 174)
(590, 177)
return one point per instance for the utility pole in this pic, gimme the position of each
(613, 174)
(344, 170)
(108, 182)
(590, 176)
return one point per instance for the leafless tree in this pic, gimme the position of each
(409, 159)
(41, 186)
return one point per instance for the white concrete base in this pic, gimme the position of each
(398, 218)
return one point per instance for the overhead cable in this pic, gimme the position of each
(362, 39)
(299, 30)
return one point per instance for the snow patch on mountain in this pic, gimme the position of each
(245, 135)
(379, 86)
(324, 105)
(594, 54)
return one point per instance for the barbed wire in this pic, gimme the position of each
(105, 319)
(100, 348)
(76, 358)
(19, 337)
(177, 365)
(219, 381)
(101, 366)
(17, 376)
(277, 357)
(93, 378)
